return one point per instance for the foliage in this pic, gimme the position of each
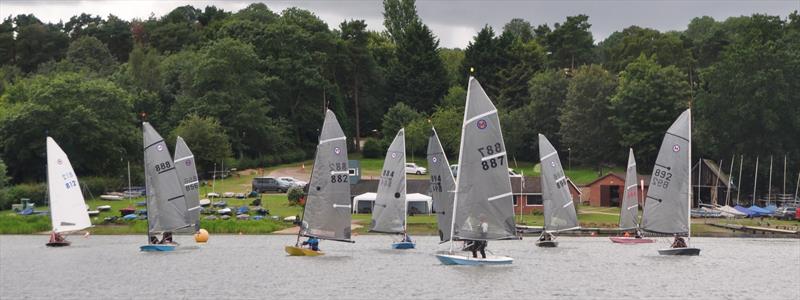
(648, 99)
(207, 140)
(294, 194)
(585, 127)
(12, 194)
(90, 119)
(622, 48)
(570, 43)
(3, 176)
(418, 76)
(373, 148)
(399, 116)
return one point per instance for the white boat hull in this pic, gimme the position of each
(452, 259)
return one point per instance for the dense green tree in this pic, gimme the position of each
(456, 98)
(452, 59)
(484, 58)
(548, 92)
(359, 67)
(398, 116)
(524, 60)
(418, 76)
(37, 43)
(621, 48)
(648, 99)
(3, 176)
(520, 29)
(91, 120)
(570, 43)
(207, 140)
(585, 127)
(89, 53)
(520, 133)
(398, 15)
(448, 122)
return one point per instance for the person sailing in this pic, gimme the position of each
(56, 237)
(679, 242)
(312, 243)
(166, 238)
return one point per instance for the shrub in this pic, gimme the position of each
(34, 191)
(96, 186)
(372, 149)
(294, 194)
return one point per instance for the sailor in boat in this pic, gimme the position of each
(546, 236)
(312, 243)
(153, 239)
(56, 237)
(638, 234)
(406, 238)
(679, 242)
(166, 238)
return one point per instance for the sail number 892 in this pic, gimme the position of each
(661, 178)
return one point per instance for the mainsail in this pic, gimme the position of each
(187, 174)
(559, 209)
(67, 208)
(389, 213)
(629, 210)
(443, 185)
(327, 210)
(666, 208)
(483, 205)
(166, 204)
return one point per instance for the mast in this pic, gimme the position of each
(769, 182)
(739, 184)
(405, 188)
(784, 176)
(797, 187)
(460, 168)
(689, 179)
(716, 183)
(755, 182)
(310, 178)
(730, 181)
(699, 171)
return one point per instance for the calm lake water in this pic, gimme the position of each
(230, 266)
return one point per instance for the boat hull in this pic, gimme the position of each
(299, 251)
(157, 248)
(451, 259)
(404, 245)
(547, 244)
(680, 251)
(58, 244)
(630, 240)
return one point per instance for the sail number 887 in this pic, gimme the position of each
(492, 162)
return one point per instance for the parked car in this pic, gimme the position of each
(293, 182)
(786, 213)
(454, 170)
(412, 168)
(263, 184)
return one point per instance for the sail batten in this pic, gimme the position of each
(388, 214)
(629, 209)
(482, 174)
(67, 207)
(666, 207)
(559, 209)
(166, 203)
(327, 211)
(187, 174)
(442, 185)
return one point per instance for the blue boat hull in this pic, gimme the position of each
(404, 245)
(157, 248)
(450, 259)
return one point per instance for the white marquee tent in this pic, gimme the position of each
(421, 203)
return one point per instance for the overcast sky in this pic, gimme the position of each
(453, 22)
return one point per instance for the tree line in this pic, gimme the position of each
(250, 87)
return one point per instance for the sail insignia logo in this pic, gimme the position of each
(394, 154)
(676, 148)
(59, 161)
(188, 162)
(160, 148)
(481, 124)
(553, 164)
(337, 150)
(434, 159)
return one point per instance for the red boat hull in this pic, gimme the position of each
(630, 240)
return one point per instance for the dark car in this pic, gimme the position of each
(264, 184)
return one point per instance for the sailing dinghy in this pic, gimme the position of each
(483, 205)
(166, 202)
(559, 209)
(629, 210)
(443, 185)
(67, 208)
(389, 213)
(326, 214)
(666, 209)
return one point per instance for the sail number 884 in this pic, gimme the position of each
(492, 162)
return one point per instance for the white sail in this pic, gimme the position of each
(666, 208)
(559, 209)
(389, 214)
(67, 207)
(185, 165)
(442, 185)
(484, 208)
(629, 210)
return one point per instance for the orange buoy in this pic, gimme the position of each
(201, 236)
